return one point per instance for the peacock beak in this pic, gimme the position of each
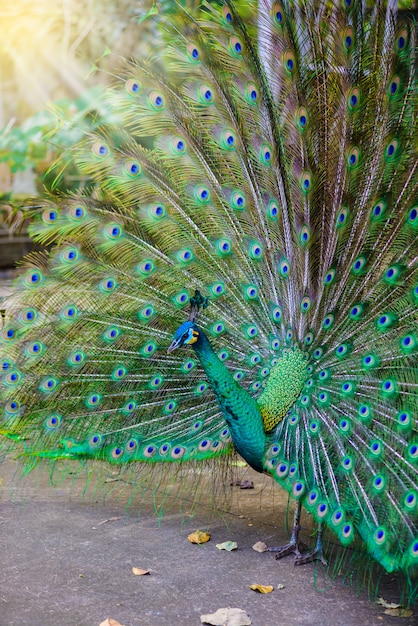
(173, 346)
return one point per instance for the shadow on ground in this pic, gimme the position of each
(67, 560)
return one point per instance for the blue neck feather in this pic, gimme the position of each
(240, 410)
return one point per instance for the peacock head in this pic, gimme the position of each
(187, 334)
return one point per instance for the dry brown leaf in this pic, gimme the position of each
(227, 545)
(139, 572)
(110, 622)
(260, 546)
(199, 537)
(399, 612)
(262, 588)
(226, 617)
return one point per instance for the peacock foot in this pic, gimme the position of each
(295, 547)
(315, 555)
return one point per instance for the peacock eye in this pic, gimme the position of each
(227, 15)
(236, 47)
(156, 101)
(132, 86)
(132, 168)
(49, 216)
(12, 407)
(202, 194)
(266, 154)
(100, 150)
(193, 53)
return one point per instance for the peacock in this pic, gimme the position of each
(241, 275)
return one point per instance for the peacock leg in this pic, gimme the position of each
(317, 554)
(295, 545)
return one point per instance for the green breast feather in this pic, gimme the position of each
(283, 387)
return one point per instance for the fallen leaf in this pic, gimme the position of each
(199, 537)
(388, 605)
(227, 545)
(399, 612)
(280, 586)
(260, 546)
(139, 572)
(226, 617)
(262, 588)
(110, 622)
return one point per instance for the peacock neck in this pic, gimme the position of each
(240, 410)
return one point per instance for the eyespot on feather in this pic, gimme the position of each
(77, 213)
(289, 62)
(205, 94)
(132, 168)
(353, 99)
(394, 86)
(178, 146)
(348, 39)
(301, 118)
(227, 16)
(402, 40)
(252, 95)
(277, 14)
(50, 216)
(236, 46)
(133, 86)
(353, 158)
(266, 154)
(156, 101)
(193, 53)
(306, 182)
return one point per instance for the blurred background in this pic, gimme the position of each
(50, 88)
(49, 53)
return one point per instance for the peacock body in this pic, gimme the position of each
(281, 188)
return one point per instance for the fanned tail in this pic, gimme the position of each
(282, 184)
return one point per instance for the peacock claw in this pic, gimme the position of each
(315, 555)
(293, 547)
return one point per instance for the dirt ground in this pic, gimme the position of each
(67, 559)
